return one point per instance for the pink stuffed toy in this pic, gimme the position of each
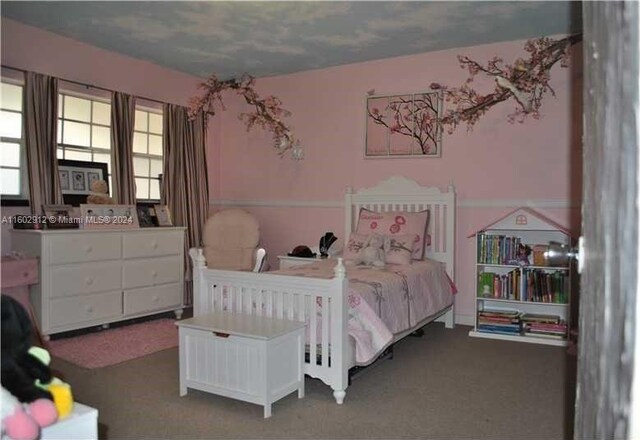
(23, 421)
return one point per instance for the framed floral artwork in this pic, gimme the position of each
(404, 125)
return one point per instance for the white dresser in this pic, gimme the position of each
(90, 277)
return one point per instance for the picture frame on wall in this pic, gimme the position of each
(163, 216)
(404, 125)
(76, 177)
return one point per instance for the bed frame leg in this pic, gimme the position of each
(339, 396)
(449, 321)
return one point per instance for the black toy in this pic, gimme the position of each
(19, 368)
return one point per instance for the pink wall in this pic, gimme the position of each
(495, 167)
(29, 48)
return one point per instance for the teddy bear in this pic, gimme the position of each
(99, 194)
(373, 250)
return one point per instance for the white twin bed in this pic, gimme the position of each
(352, 312)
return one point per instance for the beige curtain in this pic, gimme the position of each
(40, 101)
(123, 110)
(185, 189)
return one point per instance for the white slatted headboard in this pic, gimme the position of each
(401, 194)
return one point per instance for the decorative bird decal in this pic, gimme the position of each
(520, 97)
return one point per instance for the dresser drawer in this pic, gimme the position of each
(85, 278)
(82, 247)
(152, 244)
(152, 298)
(151, 272)
(69, 311)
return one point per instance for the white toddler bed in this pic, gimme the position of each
(331, 350)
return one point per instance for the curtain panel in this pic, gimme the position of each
(185, 188)
(123, 110)
(40, 103)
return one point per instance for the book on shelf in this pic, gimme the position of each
(500, 313)
(537, 317)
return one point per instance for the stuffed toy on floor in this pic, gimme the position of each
(26, 374)
(20, 370)
(23, 421)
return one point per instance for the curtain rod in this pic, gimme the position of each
(84, 84)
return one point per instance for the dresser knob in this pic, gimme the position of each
(88, 249)
(154, 274)
(154, 245)
(89, 281)
(88, 308)
(155, 299)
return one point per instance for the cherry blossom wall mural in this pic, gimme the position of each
(267, 113)
(412, 124)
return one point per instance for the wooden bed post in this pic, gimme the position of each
(199, 264)
(340, 345)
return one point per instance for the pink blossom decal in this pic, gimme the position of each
(373, 225)
(400, 220)
(354, 301)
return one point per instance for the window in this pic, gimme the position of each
(13, 176)
(147, 154)
(84, 129)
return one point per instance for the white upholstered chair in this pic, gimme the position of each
(230, 241)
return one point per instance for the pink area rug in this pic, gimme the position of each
(112, 346)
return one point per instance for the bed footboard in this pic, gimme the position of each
(320, 303)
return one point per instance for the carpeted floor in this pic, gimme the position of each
(444, 385)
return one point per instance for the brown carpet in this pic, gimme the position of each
(444, 385)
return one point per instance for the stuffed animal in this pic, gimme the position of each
(373, 250)
(25, 369)
(23, 422)
(99, 194)
(20, 369)
(61, 391)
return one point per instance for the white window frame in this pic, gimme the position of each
(82, 148)
(24, 178)
(147, 155)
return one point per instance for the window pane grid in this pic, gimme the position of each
(84, 127)
(12, 160)
(147, 156)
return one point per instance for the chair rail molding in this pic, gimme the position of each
(469, 203)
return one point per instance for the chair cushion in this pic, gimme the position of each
(230, 239)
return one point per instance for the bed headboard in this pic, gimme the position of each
(398, 193)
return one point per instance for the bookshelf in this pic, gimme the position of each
(519, 297)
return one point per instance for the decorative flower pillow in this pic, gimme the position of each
(401, 249)
(355, 243)
(396, 223)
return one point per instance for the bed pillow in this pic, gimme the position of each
(396, 223)
(355, 243)
(401, 249)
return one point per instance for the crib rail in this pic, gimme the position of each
(320, 303)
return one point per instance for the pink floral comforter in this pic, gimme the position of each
(386, 301)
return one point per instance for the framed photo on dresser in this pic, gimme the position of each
(163, 215)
